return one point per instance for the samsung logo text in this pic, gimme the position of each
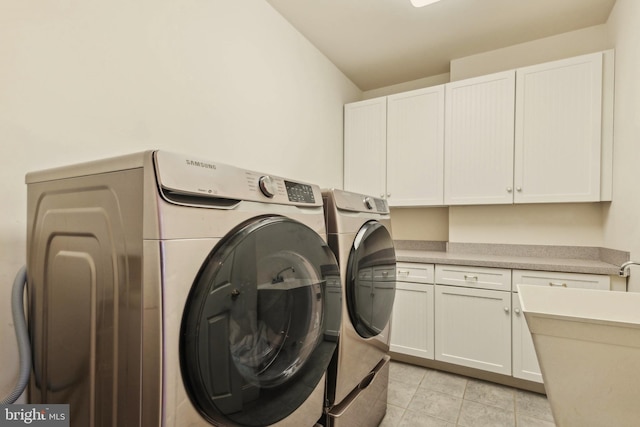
(201, 164)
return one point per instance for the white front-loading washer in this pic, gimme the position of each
(359, 233)
(167, 290)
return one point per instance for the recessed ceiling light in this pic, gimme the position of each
(420, 3)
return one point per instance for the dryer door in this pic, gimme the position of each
(371, 281)
(261, 323)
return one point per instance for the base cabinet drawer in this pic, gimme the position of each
(561, 280)
(414, 272)
(473, 328)
(474, 277)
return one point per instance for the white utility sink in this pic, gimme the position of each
(588, 348)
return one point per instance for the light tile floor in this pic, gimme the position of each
(422, 397)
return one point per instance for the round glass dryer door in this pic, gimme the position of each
(371, 281)
(261, 323)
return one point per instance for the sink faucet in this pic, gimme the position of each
(624, 268)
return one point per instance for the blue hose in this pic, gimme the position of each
(22, 335)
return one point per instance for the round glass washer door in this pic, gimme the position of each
(371, 279)
(261, 322)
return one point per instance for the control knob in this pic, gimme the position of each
(266, 185)
(367, 203)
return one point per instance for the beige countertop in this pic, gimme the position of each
(567, 265)
(521, 257)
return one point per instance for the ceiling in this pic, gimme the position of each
(379, 43)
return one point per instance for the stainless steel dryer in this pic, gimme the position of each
(359, 233)
(166, 290)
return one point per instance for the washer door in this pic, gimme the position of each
(261, 323)
(371, 281)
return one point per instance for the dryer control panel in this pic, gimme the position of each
(356, 202)
(191, 181)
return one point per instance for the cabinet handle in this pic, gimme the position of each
(517, 311)
(506, 309)
(558, 284)
(403, 273)
(470, 277)
(518, 189)
(388, 195)
(385, 273)
(509, 189)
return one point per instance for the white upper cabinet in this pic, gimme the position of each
(365, 147)
(415, 147)
(558, 131)
(479, 126)
(394, 147)
(539, 134)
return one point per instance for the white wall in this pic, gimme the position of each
(407, 86)
(586, 40)
(420, 224)
(227, 80)
(622, 217)
(578, 224)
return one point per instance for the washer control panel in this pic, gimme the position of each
(184, 179)
(298, 192)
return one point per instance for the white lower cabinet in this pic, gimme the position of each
(413, 311)
(473, 328)
(473, 325)
(472, 316)
(525, 361)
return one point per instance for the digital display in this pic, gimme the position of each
(301, 193)
(380, 205)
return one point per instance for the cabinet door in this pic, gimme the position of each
(479, 125)
(525, 361)
(412, 323)
(415, 147)
(365, 139)
(558, 131)
(473, 328)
